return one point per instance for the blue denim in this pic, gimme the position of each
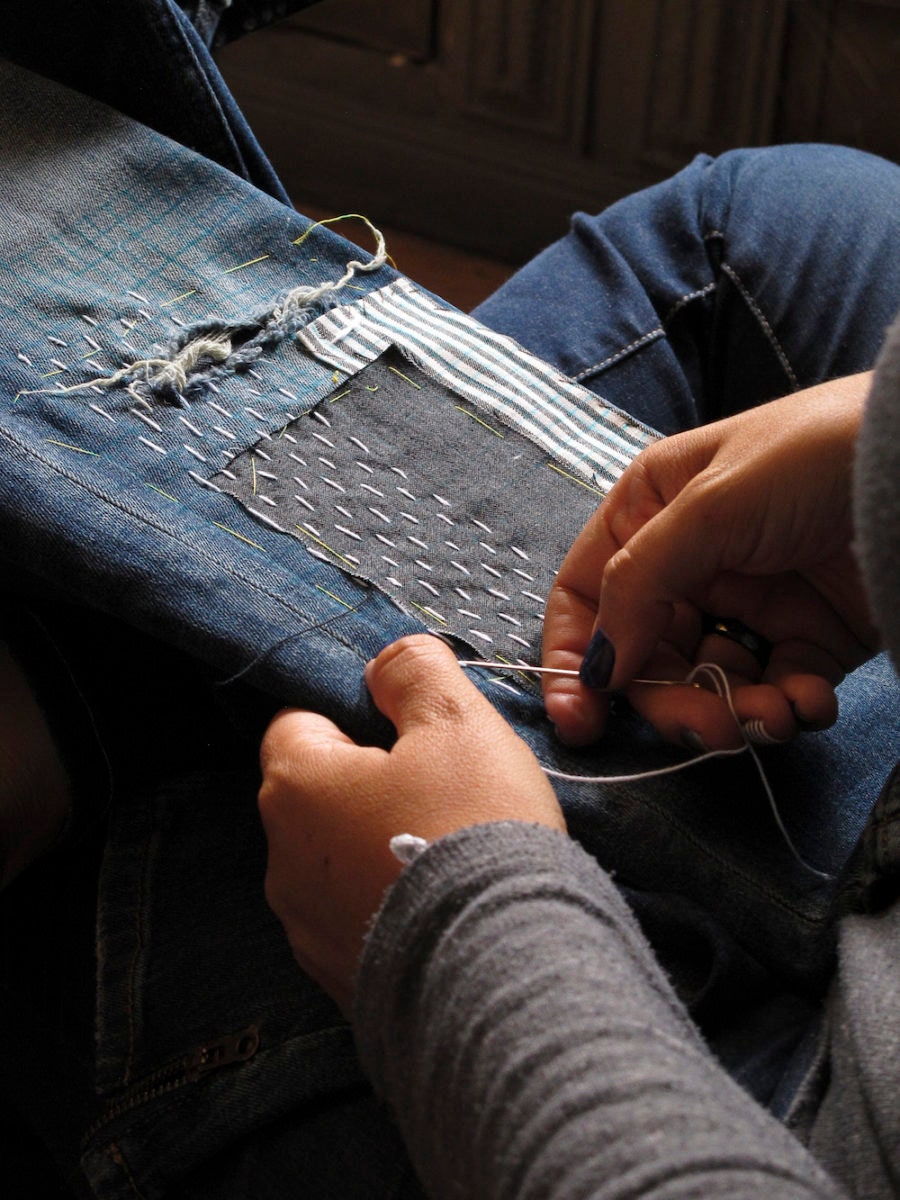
(219, 1069)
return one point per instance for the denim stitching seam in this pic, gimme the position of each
(687, 298)
(635, 345)
(764, 325)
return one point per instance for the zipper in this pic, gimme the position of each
(234, 1047)
(202, 1060)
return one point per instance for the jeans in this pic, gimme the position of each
(188, 615)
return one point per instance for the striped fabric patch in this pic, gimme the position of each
(589, 437)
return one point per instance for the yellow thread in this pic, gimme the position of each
(50, 374)
(475, 417)
(234, 533)
(340, 396)
(334, 597)
(92, 354)
(428, 612)
(325, 546)
(69, 446)
(336, 378)
(183, 296)
(371, 388)
(406, 377)
(574, 478)
(174, 499)
(250, 263)
(333, 221)
(253, 472)
(515, 666)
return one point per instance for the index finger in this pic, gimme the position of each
(579, 713)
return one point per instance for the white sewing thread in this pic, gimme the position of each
(720, 682)
(217, 349)
(147, 420)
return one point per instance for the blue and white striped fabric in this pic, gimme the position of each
(590, 437)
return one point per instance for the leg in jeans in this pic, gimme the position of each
(739, 280)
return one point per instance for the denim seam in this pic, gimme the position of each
(161, 529)
(764, 325)
(686, 299)
(595, 368)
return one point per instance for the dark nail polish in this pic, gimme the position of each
(692, 740)
(599, 660)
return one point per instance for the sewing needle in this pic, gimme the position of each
(524, 668)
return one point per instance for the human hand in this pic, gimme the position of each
(330, 807)
(748, 518)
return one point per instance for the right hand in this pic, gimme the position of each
(748, 518)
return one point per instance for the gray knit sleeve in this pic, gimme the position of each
(514, 1018)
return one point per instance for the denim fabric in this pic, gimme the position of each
(739, 280)
(220, 1071)
(146, 60)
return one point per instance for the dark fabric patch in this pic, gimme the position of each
(397, 479)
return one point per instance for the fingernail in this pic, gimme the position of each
(692, 740)
(599, 660)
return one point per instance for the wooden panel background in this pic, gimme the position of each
(485, 123)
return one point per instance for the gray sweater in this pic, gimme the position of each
(516, 1021)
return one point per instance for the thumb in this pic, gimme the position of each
(418, 684)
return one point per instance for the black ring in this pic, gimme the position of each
(737, 631)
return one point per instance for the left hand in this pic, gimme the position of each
(748, 518)
(330, 807)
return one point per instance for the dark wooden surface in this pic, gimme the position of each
(485, 123)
